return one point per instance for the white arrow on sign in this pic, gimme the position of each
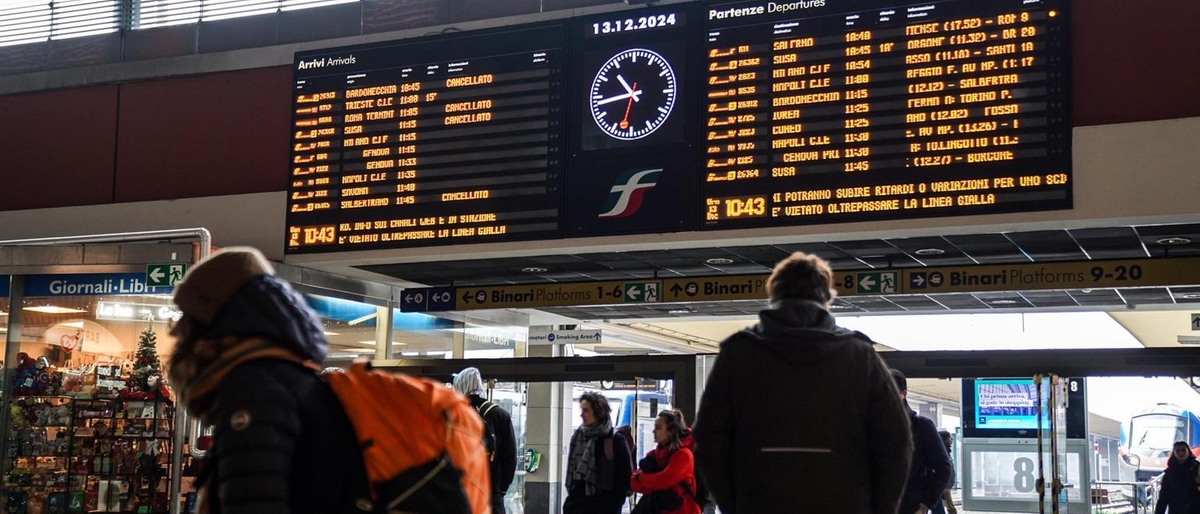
(868, 282)
(919, 280)
(157, 275)
(633, 292)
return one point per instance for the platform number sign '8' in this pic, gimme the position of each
(1023, 480)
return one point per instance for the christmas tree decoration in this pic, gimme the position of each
(147, 370)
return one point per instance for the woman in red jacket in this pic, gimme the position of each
(669, 469)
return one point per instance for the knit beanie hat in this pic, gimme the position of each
(469, 382)
(235, 293)
(212, 282)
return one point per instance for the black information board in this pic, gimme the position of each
(689, 116)
(439, 141)
(822, 111)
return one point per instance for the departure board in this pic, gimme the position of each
(821, 111)
(444, 140)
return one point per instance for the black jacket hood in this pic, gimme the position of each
(799, 331)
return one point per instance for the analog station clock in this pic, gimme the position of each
(633, 94)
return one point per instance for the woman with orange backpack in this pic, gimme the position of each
(666, 477)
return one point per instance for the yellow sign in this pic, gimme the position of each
(846, 283)
(1053, 275)
(965, 279)
(711, 289)
(556, 295)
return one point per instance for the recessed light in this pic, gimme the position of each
(718, 260)
(1189, 296)
(362, 319)
(930, 251)
(679, 311)
(534, 269)
(1003, 302)
(51, 309)
(1172, 241)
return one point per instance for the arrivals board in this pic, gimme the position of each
(821, 111)
(442, 140)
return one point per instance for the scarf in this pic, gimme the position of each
(582, 464)
(196, 369)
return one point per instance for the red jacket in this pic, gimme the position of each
(680, 468)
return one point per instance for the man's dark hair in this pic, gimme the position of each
(599, 405)
(801, 276)
(901, 380)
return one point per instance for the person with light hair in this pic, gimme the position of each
(829, 435)
(498, 434)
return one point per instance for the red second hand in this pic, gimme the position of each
(625, 121)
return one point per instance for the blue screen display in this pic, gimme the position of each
(1007, 404)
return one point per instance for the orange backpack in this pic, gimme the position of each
(422, 443)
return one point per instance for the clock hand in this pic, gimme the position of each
(626, 84)
(634, 95)
(625, 121)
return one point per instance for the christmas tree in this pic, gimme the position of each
(146, 368)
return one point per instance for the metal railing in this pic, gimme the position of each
(1145, 494)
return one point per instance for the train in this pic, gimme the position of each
(1147, 437)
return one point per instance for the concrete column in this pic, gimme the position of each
(383, 333)
(547, 430)
(458, 346)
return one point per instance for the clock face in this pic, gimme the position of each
(633, 94)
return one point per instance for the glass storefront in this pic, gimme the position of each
(91, 419)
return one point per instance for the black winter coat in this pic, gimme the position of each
(504, 467)
(931, 469)
(283, 444)
(800, 415)
(605, 501)
(1178, 494)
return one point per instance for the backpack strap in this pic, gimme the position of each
(484, 412)
(608, 449)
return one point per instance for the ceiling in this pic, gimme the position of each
(1124, 242)
(1157, 320)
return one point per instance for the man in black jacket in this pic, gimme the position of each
(799, 414)
(931, 467)
(498, 430)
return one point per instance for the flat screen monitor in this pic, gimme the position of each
(1008, 407)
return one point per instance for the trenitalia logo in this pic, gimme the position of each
(625, 197)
